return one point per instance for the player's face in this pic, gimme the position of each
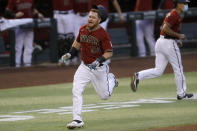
(93, 19)
(182, 6)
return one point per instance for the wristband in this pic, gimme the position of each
(73, 51)
(101, 59)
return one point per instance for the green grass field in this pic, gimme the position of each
(48, 108)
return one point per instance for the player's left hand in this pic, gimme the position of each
(40, 16)
(65, 59)
(94, 65)
(19, 14)
(180, 44)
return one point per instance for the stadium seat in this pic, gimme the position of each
(120, 41)
(191, 35)
(2, 45)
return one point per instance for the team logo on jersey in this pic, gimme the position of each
(95, 47)
(89, 39)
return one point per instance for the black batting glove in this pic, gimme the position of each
(97, 63)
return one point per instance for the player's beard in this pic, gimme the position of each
(92, 26)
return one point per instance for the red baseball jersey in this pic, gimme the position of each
(93, 44)
(81, 6)
(143, 5)
(104, 3)
(63, 5)
(24, 6)
(169, 4)
(174, 19)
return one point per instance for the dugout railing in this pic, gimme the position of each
(36, 24)
(129, 43)
(52, 25)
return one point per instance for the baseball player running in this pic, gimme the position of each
(96, 48)
(167, 50)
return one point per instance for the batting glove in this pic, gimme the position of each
(65, 57)
(94, 65)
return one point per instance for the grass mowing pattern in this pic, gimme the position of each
(145, 116)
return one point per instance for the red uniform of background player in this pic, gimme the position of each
(64, 14)
(166, 4)
(81, 14)
(24, 37)
(143, 5)
(145, 29)
(63, 5)
(105, 3)
(24, 6)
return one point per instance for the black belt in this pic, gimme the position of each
(65, 13)
(170, 37)
(62, 12)
(88, 65)
(82, 14)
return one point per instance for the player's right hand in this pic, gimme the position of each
(19, 14)
(40, 16)
(180, 43)
(65, 57)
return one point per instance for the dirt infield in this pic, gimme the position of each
(42, 75)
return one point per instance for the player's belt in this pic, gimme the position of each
(168, 37)
(82, 14)
(62, 12)
(88, 65)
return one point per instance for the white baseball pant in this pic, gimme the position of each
(105, 23)
(144, 29)
(24, 38)
(166, 51)
(64, 22)
(102, 81)
(78, 22)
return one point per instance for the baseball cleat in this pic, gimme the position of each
(134, 82)
(184, 97)
(75, 124)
